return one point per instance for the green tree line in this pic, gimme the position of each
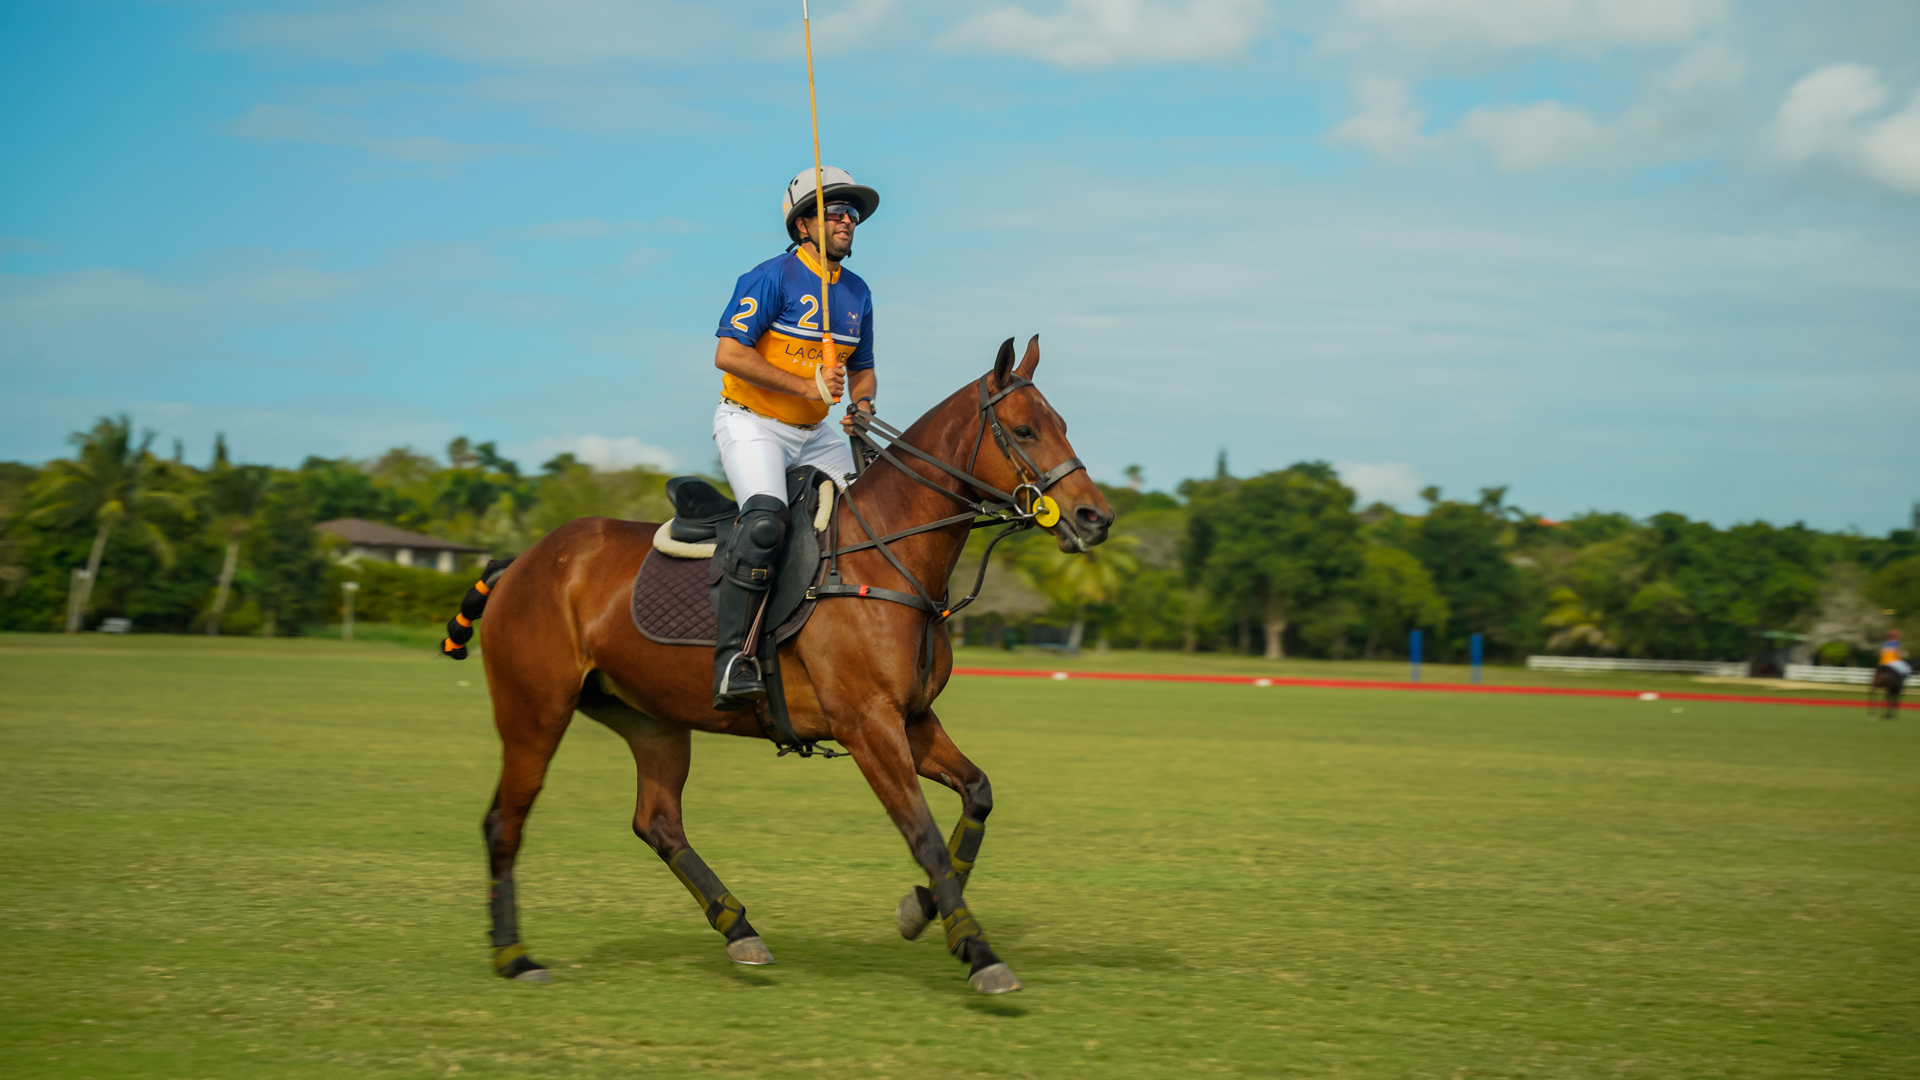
(1285, 563)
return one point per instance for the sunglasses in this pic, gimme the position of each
(843, 212)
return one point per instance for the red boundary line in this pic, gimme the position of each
(1440, 688)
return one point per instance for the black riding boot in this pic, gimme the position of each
(742, 576)
(736, 676)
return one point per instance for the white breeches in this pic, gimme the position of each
(756, 451)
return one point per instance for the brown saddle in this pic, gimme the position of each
(670, 600)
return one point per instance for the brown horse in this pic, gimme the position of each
(559, 638)
(1885, 690)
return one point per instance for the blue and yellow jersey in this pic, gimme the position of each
(775, 311)
(1891, 651)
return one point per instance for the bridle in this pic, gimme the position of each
(1018, 510)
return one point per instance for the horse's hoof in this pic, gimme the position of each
(994, 979)
(534, 975)
(750, 951)
(912, 918)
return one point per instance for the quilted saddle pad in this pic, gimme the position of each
(670, 602)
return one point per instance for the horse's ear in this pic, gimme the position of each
(1031, 360)
(1003, 364)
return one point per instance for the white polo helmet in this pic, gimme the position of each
(798, 201)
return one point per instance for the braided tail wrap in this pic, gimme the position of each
(472, 606)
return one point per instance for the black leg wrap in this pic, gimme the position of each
(963, 847)
(506, 920)
(510, 959)
(979, 955)
(724, 912)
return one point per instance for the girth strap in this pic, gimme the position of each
(873, 592)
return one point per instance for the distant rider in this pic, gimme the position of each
(1894, 669)
(771, 416)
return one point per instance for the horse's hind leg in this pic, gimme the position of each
(661, 755)
(529, 736)
(937, 758)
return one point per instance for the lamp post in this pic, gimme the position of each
(347, 589)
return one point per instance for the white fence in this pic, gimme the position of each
(1594, 665)
(1852, 676)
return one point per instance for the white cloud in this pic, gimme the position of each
(1387, 123)
(601, 451)
(1688, 109)
(1892, 149)
(1818, 113)
(851, 26)
(1392, 482)
(1100, 33)
(277, 122)
(594, 103)
(1487, 26)
(1543, 135)
(553, 34)
(1827, 118)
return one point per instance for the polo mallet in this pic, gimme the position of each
(829, 352)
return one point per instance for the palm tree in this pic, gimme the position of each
(110, 484)
(1080, 581)
(233, 493)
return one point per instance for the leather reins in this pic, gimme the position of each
(1015, 509)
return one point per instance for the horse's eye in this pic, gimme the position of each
(1023, 431)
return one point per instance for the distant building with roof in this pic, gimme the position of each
(372, 540)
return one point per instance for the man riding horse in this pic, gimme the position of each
(772, 415)
(1891, 675)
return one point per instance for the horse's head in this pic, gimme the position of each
(1035, 431)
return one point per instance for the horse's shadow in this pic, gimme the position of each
(681, 954)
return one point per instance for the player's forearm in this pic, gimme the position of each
(743, 363)
(861, 384)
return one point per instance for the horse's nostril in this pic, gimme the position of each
(1090, 517)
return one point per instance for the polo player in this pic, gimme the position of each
(1893, 668)
(771, 416)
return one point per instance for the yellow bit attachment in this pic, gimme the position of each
(1047, 514)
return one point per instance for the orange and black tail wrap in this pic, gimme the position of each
(472, 606)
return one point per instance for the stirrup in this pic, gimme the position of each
(726, 698)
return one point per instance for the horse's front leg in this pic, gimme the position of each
(936, 758)
(881, 748)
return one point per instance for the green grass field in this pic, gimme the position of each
(241, 858)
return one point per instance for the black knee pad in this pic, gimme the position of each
(754, 546)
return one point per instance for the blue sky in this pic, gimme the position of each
(1621, 254)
